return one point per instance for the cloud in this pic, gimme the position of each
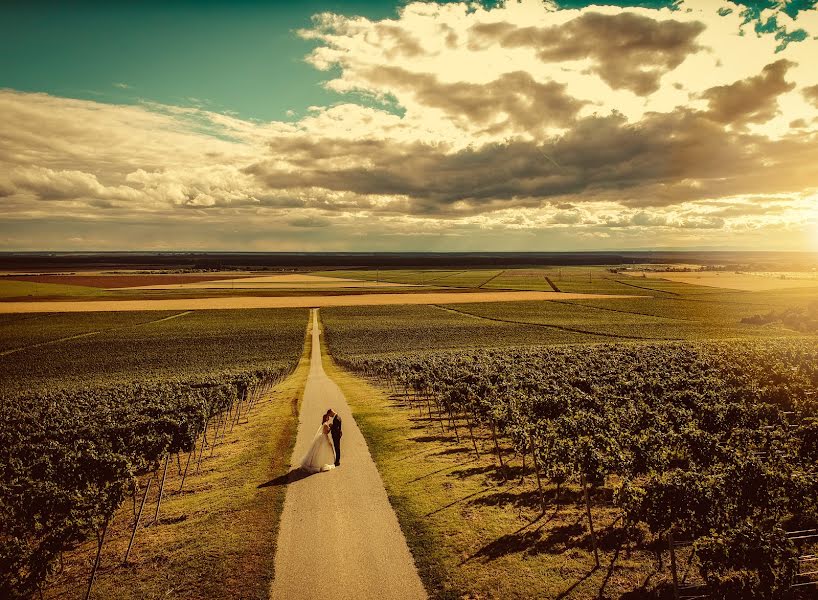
(511, 103)
(310, 222)
(666, 159)
(48, 184)
(751, 100)
(627, 50)
(811, 94)
(617, 126)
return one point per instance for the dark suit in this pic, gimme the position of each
(335, 432)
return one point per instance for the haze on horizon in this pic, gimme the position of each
(428, 126)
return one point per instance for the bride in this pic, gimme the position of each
(321, 455)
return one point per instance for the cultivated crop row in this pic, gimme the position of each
(111, 414)
(712, 443)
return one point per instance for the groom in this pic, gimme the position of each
(335, 431)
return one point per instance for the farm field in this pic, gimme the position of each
(13, 289)
(751, 282)
(409, 300)
(298, 282)
(132, 346)
(118, 279)
(472, 532)
(471, 278)
(21, 331)
(84, 414)
(641, 422)
(216, 538)
(461, 381)
(375, 330)
(590, 279)
(479, 529)
(574, 279)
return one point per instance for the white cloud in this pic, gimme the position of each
(665, 125)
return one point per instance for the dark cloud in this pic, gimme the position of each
(6, 189)
(513, 101)
(449, 34)
(666, 159)
(811, 94)
(751, 100)
(631, 51)
(399, 41)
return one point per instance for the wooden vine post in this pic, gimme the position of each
(161, 489)
(590, 518)
(187, 465)
(100, 542)
(138, 517)
(440, 416)
(453, 423)
(497, 449)
(537, 473)
(215, 435)
(471, 434)
(201, 448)
(672, 549)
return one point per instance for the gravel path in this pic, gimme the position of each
(339, 536)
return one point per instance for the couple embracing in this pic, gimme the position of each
(325, 451)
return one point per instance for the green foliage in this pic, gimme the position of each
(147, 346)
(748, 562)
(799, 318)
(384, 329)
(79, 425)
(712, 441)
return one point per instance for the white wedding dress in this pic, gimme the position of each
(321, 455)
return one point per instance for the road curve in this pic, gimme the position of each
(339, 537)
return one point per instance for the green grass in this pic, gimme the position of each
(148, 346)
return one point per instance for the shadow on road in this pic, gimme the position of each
(286, 478)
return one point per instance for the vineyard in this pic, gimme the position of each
(382, 330)
(671, 437)
(93, 349)
(94, 418)
(708, 450)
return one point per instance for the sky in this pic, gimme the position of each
(423, 126)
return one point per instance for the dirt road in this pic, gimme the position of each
(339, 537)
(232, 302)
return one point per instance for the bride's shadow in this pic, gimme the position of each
(286, 478)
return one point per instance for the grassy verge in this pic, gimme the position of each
(217, 538)
(475, 535)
